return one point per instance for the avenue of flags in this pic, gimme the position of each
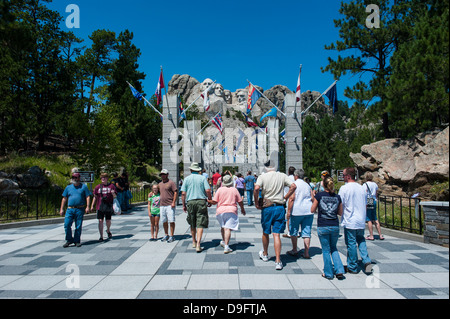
(253, 96)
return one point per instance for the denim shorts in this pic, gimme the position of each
(273, 220)
(305, 221)
(371, 214)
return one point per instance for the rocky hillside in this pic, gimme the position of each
(405, 167)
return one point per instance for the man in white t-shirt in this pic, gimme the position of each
(354, 200)
(299, 214)
(371, 217)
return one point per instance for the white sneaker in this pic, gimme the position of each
(222, 243)
(278, 266)
(262, 256)
(227, 250)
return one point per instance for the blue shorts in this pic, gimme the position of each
(273, 220)
(371, 214)
(306, 223)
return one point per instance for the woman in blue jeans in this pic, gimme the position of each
(329, 207)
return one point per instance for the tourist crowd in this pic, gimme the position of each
(288, 204)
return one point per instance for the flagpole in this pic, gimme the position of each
(284, 114)
(146, 100)
(325, 92)
(196, 100)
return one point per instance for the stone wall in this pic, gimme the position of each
(436, 223)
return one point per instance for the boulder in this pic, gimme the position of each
(33, 179)
(8, 188)
(409, 164)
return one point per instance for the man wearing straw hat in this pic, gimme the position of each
(194, 195)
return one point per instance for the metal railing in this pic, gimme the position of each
(401, 213)
(30, 205)
(43, 204)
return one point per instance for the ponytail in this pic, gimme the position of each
(328, 183)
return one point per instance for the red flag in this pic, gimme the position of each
(298, 93)
(159, 87)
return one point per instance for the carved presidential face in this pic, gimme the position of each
(241, 96)
(227, 96)
(206, 84)
(218, 90)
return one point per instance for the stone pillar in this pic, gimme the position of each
(170, 140)
(192, 145)
(273, 138)
(436, 223)
(293, 136)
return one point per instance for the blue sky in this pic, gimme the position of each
(229, 41)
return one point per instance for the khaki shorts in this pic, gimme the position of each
(197, 213)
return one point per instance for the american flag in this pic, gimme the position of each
(217, 121)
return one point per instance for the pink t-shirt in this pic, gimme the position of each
(227, 199)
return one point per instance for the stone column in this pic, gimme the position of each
(436, 228)
(170, 140)
(192, 145)
(293, 136)
(273, 138)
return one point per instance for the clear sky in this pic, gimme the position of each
(229, 41)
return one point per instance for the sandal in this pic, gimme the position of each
(368, 238)
(292, 253)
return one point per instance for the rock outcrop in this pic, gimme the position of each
(407, 166)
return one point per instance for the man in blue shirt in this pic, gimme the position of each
(195, 191)
(249, 186)
(77, 197)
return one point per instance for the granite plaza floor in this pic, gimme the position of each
(34, 265)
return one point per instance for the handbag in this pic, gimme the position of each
(370, 200)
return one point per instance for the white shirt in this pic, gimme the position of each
(303, 202)
(371, 189)
(354, 200)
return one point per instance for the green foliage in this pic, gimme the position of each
(51, 85)
(405, 59)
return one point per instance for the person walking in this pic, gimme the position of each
(240, 184)
(319, 187)
(354, 198)
(168, 203)
(329, 207)
(77, 197)
(299, 214)
(371, 211)
(104, 195)
(272, 208)
(227, 198)
(215, 178)
(249, 186)
(154, 210)
(194, 195)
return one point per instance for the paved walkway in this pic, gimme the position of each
(33, 264)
